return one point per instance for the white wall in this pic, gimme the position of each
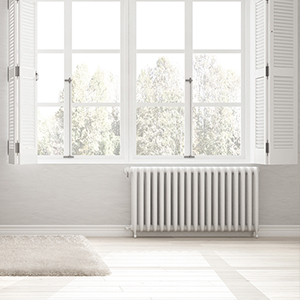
(99, 194)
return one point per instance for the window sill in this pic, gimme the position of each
(144, 161)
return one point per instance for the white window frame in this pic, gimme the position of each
(272, 121)
(188, 52)
(128, 104)
(68, 51)
(265, 108)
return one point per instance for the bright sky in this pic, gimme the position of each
(50, 37)
(96, 25)
(217, 25)
(109, 62)
(51, 72)
(160, 25)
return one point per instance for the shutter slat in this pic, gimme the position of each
(28, 107)
(12, 82)
(260, 83)
(283, 82)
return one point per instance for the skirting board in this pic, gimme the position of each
(279, 230)
(86, 230)
(123, 231)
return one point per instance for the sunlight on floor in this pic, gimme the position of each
(176, 268)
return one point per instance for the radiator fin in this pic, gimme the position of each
(194, 199)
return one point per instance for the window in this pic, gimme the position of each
(218, 72)
(177, 117)
(167, 81)
(158, 75)
(79, 92)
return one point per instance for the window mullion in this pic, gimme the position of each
(67, 73)
(124, 30)
(188, 74)
(132, 76)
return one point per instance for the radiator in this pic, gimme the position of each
(194, 199)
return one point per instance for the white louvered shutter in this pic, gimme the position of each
(12, 81)
(261, 91)
(27, 82)
(283, 121)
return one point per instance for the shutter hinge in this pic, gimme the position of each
(267, 71)
(7, 74)
(17, 147)
(267, 148)
(17, 71)
(7, 147)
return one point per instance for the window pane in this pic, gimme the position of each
(160, 131)
(217, 25)
(160, 25)
(50, 131)
(50, 25)
(160, 78)
(217, 131)
(217, 78)
(50, 85)
(96, 78)
(96, 130)
(96, 25)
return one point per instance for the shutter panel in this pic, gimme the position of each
(12, 82)
(260, 93)
(283, 121)
(27, 83)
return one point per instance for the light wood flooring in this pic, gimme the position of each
(176, 268)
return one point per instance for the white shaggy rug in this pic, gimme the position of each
(63, 255)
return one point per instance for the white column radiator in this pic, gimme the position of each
(194, 199)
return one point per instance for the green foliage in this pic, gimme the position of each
(159, 130)
(50, 132)
(95, 130)
(213, 84)
(216, 130)
(161, 84)
(102, 87)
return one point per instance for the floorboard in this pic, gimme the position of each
(176, 268)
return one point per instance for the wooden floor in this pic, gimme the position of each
(176, 268)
